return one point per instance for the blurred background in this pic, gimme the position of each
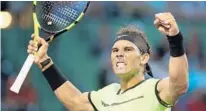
(83, 53)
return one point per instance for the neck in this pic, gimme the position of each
(131, 81)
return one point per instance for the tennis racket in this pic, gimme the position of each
(51, 19)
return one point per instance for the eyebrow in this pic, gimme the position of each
(130, 47)
(114, 48)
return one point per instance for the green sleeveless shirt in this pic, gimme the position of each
(141, 97)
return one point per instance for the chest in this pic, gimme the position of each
(128, 101)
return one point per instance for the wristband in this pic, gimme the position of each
(45, 63)
(54, 77)
(176, 45)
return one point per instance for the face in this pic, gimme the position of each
(126, 58)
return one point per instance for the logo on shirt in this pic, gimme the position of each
(118, 103)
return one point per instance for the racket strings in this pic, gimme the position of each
(55, 20)
(73, 14)
(64, 9)
(56, 15)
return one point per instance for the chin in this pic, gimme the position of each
(121, 72)
(124, 73)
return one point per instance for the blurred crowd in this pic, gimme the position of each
(96, 33)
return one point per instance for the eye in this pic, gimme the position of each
(114, 50)
(128, 49)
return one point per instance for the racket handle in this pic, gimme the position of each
(22, 74)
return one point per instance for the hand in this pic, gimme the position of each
(41, 52)
(166, 24)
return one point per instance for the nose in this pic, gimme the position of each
(120, 54)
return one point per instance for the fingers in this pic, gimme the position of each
(166, 23)
(157, 23)
(163, 16)
(31, 47)
(38, 46)
(35, 44)
(32, 43)
(35, 40)
(165, 19)
(30, 51)
(32, 36)
(162, 29)
(40, 41)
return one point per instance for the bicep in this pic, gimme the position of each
(165, 92)
(177, 83)
(85, 103)
(81, 103)
(72, 98)
(91, 101)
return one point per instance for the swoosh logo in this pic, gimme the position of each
(119, 103)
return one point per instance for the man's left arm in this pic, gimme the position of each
(171, 88)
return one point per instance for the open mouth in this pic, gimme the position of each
(120, 64)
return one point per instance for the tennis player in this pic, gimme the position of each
(130, 55)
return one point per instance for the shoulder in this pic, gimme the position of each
(96, 97)
(162, 93)
(148, 86)
(152, 81)
(114, 87)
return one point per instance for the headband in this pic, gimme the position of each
(141, 45)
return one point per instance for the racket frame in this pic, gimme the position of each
(30, 59)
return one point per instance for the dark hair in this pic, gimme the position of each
(135, 32)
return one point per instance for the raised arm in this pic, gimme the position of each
(177, 84)
(65, 91)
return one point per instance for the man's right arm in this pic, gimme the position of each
(72, 98)
(65, 91)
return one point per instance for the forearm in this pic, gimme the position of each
(69, 95)
(72, 98)
(65, 91)
(178, 74)
(178, 65)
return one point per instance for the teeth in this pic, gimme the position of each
(120, 64)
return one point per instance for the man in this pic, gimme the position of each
(129, 57)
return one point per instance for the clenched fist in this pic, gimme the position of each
(41, 52)
(166, 24)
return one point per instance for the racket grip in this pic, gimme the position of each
(22, 74)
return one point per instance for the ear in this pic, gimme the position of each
(145, 58)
